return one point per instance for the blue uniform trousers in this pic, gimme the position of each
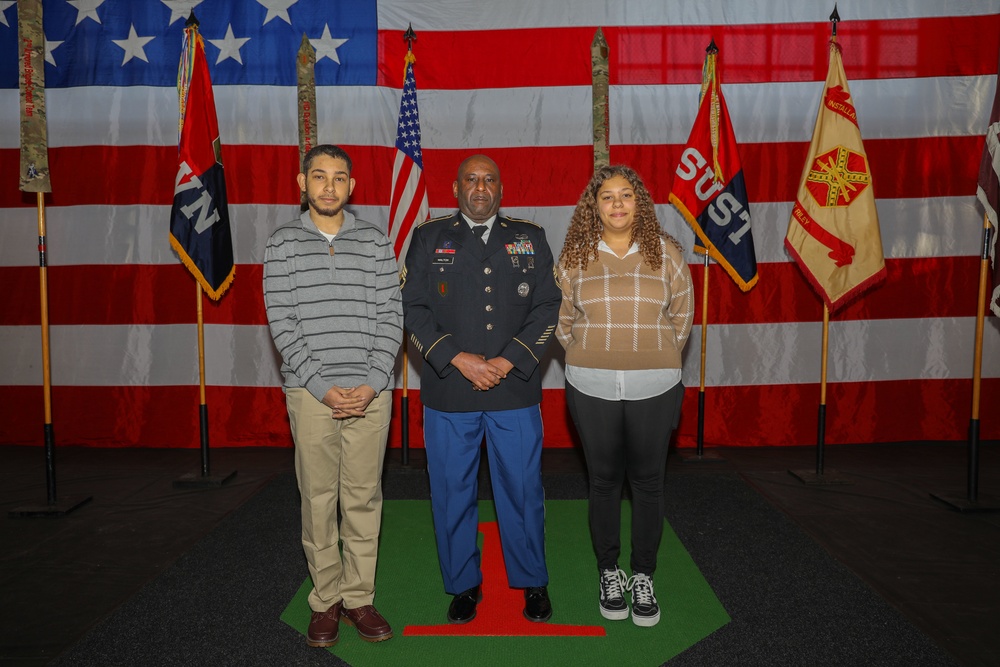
(514, 446)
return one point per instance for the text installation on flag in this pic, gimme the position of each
(199, 218)
(709, 189)
(833, 233)
(988, 191)
(408, 204)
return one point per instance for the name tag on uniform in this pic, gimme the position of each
(444, 259)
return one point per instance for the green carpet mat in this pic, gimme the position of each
(409, 593)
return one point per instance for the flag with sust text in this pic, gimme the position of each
(709, 189)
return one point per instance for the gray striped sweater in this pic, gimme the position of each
(336, 318)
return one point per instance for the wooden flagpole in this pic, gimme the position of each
(404, 400)
(53, 506)
(205, 479)
(34, 177)
(820, 476)
(972, 502)
(700, 455)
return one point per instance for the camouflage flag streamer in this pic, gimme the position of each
(599, 68)
(34, 176)
(305, 68)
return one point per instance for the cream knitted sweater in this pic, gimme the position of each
(620, 314)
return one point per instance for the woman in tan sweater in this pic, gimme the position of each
(626, 314)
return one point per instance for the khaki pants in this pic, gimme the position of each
(339, 461)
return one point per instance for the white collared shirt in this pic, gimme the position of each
(488, 223)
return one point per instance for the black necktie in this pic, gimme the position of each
(479, 230)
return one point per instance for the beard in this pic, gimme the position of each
(326, 211)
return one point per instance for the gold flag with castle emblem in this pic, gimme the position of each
(833, 233)
(34, 132)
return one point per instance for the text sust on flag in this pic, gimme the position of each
(408, 203)
(833, 232)
(922, 78)
(199, 217)
(709, 190)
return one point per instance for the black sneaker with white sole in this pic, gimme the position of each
(613, 606)
(645, 611)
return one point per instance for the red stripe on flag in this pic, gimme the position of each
(756, 53)
(901, 169)
(164, 294)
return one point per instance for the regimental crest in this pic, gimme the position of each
(838, 177)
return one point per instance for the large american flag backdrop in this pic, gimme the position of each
(510, 78)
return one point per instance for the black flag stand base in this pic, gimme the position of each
(201, 481)
(61, 507)
(53, 507)
(813, 478)
(700, 455)
(973, 500)
(819, 477)
(704, 457)
(205, 480)
(963, 504)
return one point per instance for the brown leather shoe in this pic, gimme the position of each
(323, 627)
(369, 623)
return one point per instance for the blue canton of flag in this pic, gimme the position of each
(127, 43)
(408, 130)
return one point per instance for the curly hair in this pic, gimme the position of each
(585, 227)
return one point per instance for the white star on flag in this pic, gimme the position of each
(277, 9)
(86, 9)
(229, 46)
(133, 46)
(326, 46)
(4, 6)
(180, 9)
(51, 46)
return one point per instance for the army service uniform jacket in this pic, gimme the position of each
(497, 301)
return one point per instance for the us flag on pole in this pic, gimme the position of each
(199, 217)
(409, 190)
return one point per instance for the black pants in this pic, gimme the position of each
(625, 438)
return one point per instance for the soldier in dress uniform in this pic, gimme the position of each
(480, 304)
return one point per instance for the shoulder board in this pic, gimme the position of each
(527, 222)
(437, 219)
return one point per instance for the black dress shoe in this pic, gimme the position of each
(537, 607)
(463, 606)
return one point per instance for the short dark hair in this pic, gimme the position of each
(328, 150)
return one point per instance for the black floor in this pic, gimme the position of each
(62, 576)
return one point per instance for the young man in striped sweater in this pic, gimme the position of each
(331, 289)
